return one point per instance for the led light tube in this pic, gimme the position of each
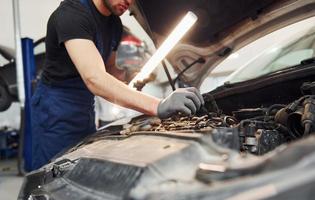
(180, 30)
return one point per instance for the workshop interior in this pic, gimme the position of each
(146, 100)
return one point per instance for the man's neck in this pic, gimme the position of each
(100, 6)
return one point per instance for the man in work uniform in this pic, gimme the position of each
(82, 37)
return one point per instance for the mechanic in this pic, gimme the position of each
(81, 41)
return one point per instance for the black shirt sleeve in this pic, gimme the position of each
(71, 24)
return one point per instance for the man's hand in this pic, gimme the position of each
(184, 100)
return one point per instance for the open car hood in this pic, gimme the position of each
(222, 28)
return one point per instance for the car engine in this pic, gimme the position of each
(259, 130)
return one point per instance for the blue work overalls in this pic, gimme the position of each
(62, 113)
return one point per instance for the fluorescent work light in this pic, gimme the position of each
(180, 30)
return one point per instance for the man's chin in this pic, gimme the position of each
(119, 13)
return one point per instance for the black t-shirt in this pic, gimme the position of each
(74, 20)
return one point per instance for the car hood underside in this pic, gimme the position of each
(222, 28)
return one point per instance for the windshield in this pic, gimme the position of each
(283, 48)
(276, 58)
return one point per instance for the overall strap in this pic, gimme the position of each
(99, 39)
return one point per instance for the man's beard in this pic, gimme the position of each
(109, 7)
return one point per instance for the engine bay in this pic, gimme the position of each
(193, 157)
(219, 149)
(259, 130)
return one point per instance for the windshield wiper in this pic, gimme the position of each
(173, 82)
(308, 61)
(199, 60)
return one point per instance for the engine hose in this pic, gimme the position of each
(307, 129)
(273, 107)
(308, 117)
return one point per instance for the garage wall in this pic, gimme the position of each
(33, 15)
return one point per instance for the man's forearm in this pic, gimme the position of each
(113, 90)
(84, 55)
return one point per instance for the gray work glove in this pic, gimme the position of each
(184, 100)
